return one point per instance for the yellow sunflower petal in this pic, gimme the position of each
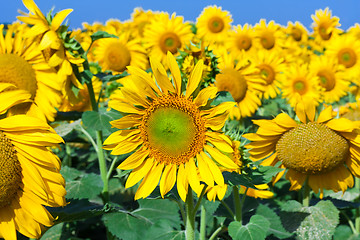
(218, 177)
(204, 95)
(59, 18)
(150, 181)
(192, 176)
(325, 115)
(161, 76)
(220, 157)
(296, 179)
(7, 224)
(134, 160)
(194, 79)
(341, 124)
(168, 179)
(175, 71)
(182, 183)
(138, 173)
(204, 170)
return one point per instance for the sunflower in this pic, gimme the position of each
(331, 76)
(165, 34)
(270, 67)
(324, 152)
(241, 38)
(354, 30)
(171, 133)
(324, 25)
(298, 80)
(297, 32)
(116, 54)
(50, 43)
(29, 176)
(269, 35)
(240, 79)
(261, 191)
(346, 50)
(213, 24)
(139, 20)
(26, 80)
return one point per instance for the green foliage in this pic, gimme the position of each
(154, 219)
(276, 228)
(80, 185)
(315, 222)
(101, 34)
(100, 121)
(255, 230)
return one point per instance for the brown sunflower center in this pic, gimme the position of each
(296, 33)
(244, 42)
(232, 81)
(216, 24)
(170, 42)
(10, 171)
(327, 79)
(267, 40)
(323, 32)
(267, 73)
(300, 86)
(347, 57)
(173, 129)
(312, 148)
(117, 56)
(16, 70)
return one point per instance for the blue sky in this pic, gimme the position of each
(242, 11)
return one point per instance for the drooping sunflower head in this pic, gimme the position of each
(321, 150)
(173, 137)
(28, 84)
(213, 24)
(166, 34)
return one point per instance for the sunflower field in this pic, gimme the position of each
(159, 128)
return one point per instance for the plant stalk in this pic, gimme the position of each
(190, 216)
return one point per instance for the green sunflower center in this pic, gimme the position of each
(16, 70)
(267, 40)
(312, 148)
(327, 79)
(10, 171)
(216, 24)
(347, 57)
(244, 42)
(170, 130)
(117, 56)
(232, 81)
(300, 86)
(173, 129)
(267, 73)
(170, 42)
(323, 32)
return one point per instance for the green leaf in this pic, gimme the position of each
(77, 210)
(235, 179)
(100, 121)
(53, 233)
(315, 222)
(85, 186)
(223, 96)
(64, 128)
(160, 214)
(344, 232)
(101, 34)
(264, 174)
(276, 228)
(255, 230)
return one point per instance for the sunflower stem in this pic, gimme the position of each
(203, 223)
(217, 231)
(190, 216)
(112, 166)
(357, 212)
(306, 195)
(103, 167)
(237, 204)
(351, 224)
(228, 208)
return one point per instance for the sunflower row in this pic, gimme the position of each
(170, 129)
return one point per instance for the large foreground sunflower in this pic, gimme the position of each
(324, 152)
(25, 77)
(172, 134)
(29, 176)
